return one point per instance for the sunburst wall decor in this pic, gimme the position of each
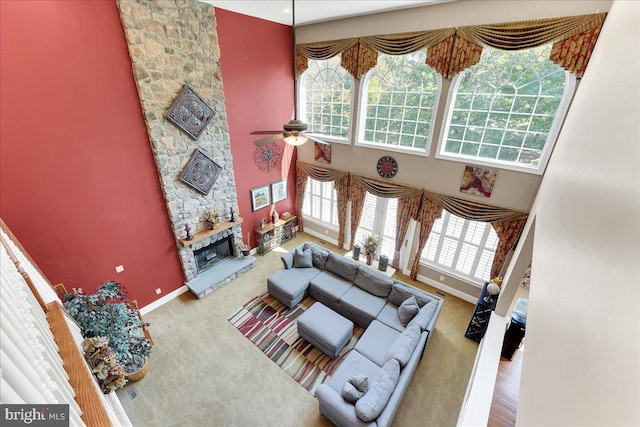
(267, 157)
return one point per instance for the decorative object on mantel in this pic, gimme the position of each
(201, 172)
(260, 198)
(478, 180)
(213, 219)
(263, 223)
(267, 157)
(189, 112)
(204, 234)
(232, 214)
(279, 191)
(187, 229)
(274, 216)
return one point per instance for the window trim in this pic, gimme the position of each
(362, 115)
(302, 109)
(554, 131)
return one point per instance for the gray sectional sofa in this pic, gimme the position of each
(368, 386)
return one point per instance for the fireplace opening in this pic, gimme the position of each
(214, 254)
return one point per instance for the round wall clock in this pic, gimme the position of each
(387, 167)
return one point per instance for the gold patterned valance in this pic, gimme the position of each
(387, 189)
(452, 50)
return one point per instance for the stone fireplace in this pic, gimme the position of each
(172, 43)
(214, 253)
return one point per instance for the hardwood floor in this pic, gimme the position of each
(505, 396)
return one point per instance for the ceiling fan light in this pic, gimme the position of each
(296, 140)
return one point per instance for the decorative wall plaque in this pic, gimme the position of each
(201, 172)
(267, 156)
(189, 112)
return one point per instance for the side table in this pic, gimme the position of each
(481, 315)
(390, 271)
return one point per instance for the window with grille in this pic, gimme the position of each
(462, 247)
(321, 203)
(326, 98)
(379, 217)
(507, 109)
(401, 94)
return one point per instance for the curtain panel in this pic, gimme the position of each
(451, 50)
(508, 231)
(305, 170)
(430, 211)
(408, 209)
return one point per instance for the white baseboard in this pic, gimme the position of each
(447, 289)
(321, 236)
(165, 299)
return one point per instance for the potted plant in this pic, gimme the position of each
(108, 313)
(104, 364)
(370, 245)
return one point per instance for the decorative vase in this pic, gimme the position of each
(369, 258)
(275, 217)
(356, 252)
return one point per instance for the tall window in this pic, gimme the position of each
(507, 109)
(321, 202)
(462, 247)
(401, 97)
(379, 217)
(326, 98)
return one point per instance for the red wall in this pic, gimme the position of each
(78, 183)
(256, 57)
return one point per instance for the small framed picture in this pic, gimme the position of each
(279, 190)
(260, 198)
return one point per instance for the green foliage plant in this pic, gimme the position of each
(110, 314)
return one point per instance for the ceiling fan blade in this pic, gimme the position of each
(265, 132)
(269, 140)
(315, 138)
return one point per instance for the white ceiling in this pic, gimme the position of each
(312, 11)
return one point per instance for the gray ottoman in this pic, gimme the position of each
(328, 331)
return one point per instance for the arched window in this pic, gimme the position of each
(507, 109)
(400, 97)
(326, 98)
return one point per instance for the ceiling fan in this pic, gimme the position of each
(294, 132)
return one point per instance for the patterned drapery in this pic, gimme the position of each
(408, 209)
(508, 231)
(470, 209)
(304, 170)
(342, 190)
(430, 210)
(451, 50)
(357, 193)
(388, 189)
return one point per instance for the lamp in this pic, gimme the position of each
(295, 140)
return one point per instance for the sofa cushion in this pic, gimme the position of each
(369, 406)
(402, 349)
(291, 282)
(361, 305)
(376, 341)
(329, 286)
(401, 292)
(373, 282)
(302, 258)
(355, 388)
(354, 364)
(389, 316)
(341, 266)
(407, 310)
(318, 254)
(424, 316)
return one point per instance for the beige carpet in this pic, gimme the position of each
(204, 372)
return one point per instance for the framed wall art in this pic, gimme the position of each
(478, 180)
(189, 112)
(322, 152)
(279, 190)
(200, 172)
(260, 198)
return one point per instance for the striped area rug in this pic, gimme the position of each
(272, 327)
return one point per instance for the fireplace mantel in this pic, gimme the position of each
(201, 235)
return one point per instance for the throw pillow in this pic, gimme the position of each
(407, 310)
(424, 316)
(369, 406)
(354, 388)
(302, 259)
(403, 347)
